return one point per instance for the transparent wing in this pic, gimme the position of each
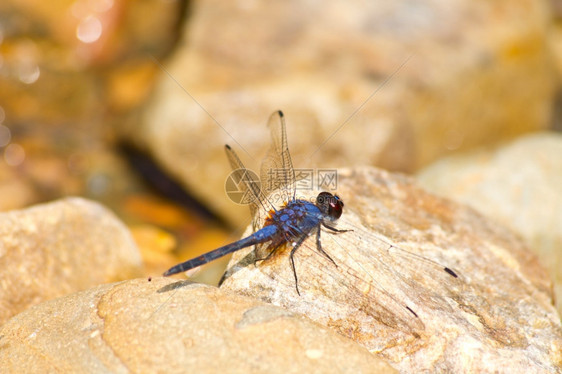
(379, 277)
(383, 280)
(249, 185)
(409, 267)
(276, 174)
(277, 171)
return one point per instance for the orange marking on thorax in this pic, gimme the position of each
(271, 213)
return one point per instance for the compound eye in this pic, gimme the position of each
(330, 205)
(336, 207)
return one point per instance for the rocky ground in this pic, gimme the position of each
(113, 118)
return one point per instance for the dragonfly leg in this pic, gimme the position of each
(271, 248)
(295, 247)
(319, 247)
(333, 228)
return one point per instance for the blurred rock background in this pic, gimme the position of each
(72, 73)
(129, 103)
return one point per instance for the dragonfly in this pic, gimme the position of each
(294, 220)
(291, 223)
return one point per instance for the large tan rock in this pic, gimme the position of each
(391, 292)
(173, 327)
(517, 184)
(470, 73)
(53, 249)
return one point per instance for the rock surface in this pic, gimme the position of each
(470, 74)
(173, 327)
(519, 185)
(408, 308)
(54, 249)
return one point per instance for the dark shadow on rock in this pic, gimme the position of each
(176, 285)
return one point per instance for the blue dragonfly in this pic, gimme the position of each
(290, 220)
(292, 223)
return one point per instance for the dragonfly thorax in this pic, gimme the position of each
(297, 217)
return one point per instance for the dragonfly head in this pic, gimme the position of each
(330, 205)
